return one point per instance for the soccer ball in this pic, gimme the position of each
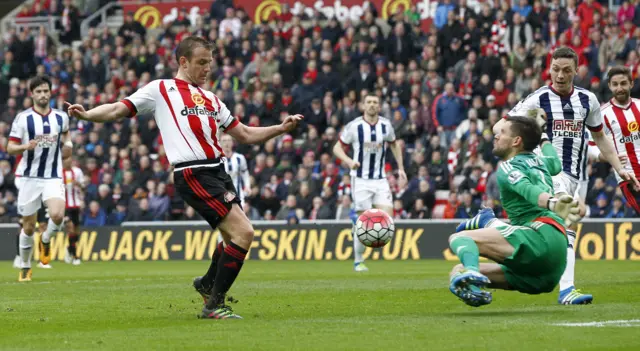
(375, 228)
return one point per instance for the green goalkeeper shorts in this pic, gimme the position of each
(539, 259)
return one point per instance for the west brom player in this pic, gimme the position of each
(569, 110)
(237, 168)
(191, 122)
(369, 136)
(73, 179)
(622, 125)
(39, 134)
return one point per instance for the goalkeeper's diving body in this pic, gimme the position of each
(531, 252)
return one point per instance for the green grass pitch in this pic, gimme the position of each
(289, 305)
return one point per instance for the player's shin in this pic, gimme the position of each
(210, 276)
(52, 227)
(358, 249)
(229, 267)
(73, 240)
(467, 251)
(26, 249)
(567, 279)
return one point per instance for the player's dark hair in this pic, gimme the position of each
(565, 52)
(373, 95)
(528, 130)
(189, 44)
(619, 70)
(38, 81)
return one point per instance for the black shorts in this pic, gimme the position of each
(73, 214)
(632, 196)
(209, 190)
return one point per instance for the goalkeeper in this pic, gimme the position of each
(531, 253)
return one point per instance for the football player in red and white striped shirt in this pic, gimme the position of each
(73, 180)
(622, 123)
(191, 122)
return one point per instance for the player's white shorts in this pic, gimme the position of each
(368, 193)
(33, 191)
(563, 183)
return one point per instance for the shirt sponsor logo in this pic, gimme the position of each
(566, 128)
(198, 111)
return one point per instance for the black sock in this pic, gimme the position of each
(73, 239)
(228, 270)
(210, 276)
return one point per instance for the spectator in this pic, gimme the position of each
(131, 29)
(95, 216)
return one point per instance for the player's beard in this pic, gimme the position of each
(371, 113)
(42, 104)
(623, 97)
(500, 153)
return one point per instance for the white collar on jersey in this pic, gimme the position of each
(624, 107)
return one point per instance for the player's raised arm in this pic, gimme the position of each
(519, 182)
(550, 157)
(256, 135)
(103, 113)
(142, 101)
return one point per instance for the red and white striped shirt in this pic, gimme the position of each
(191, 119)
(622, 124)
(72, 179)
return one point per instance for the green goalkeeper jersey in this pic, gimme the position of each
(522, 179)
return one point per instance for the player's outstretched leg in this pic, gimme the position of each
(485, 218)
(569, 295)
(358, 248)
(468, 283)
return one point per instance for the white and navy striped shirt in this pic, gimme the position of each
(45, 161)
(567, 118)
(236, 167)
(369, 142)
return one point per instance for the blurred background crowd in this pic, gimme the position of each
(442, 89)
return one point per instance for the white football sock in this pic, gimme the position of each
(26, 249)
(51, 228)
(495, 223)
(358, 248)
(567, 277)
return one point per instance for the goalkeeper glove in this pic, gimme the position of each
(566, 208)
(539, 116)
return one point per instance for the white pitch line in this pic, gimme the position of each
(615, 323)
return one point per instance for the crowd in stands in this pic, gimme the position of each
(442, 89)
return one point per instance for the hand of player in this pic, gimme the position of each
(76, 110)
(630, 177)
(567, 208)
(539, 116)
(354, 165)
(32, 145)
(402, 175)
(291, 122)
